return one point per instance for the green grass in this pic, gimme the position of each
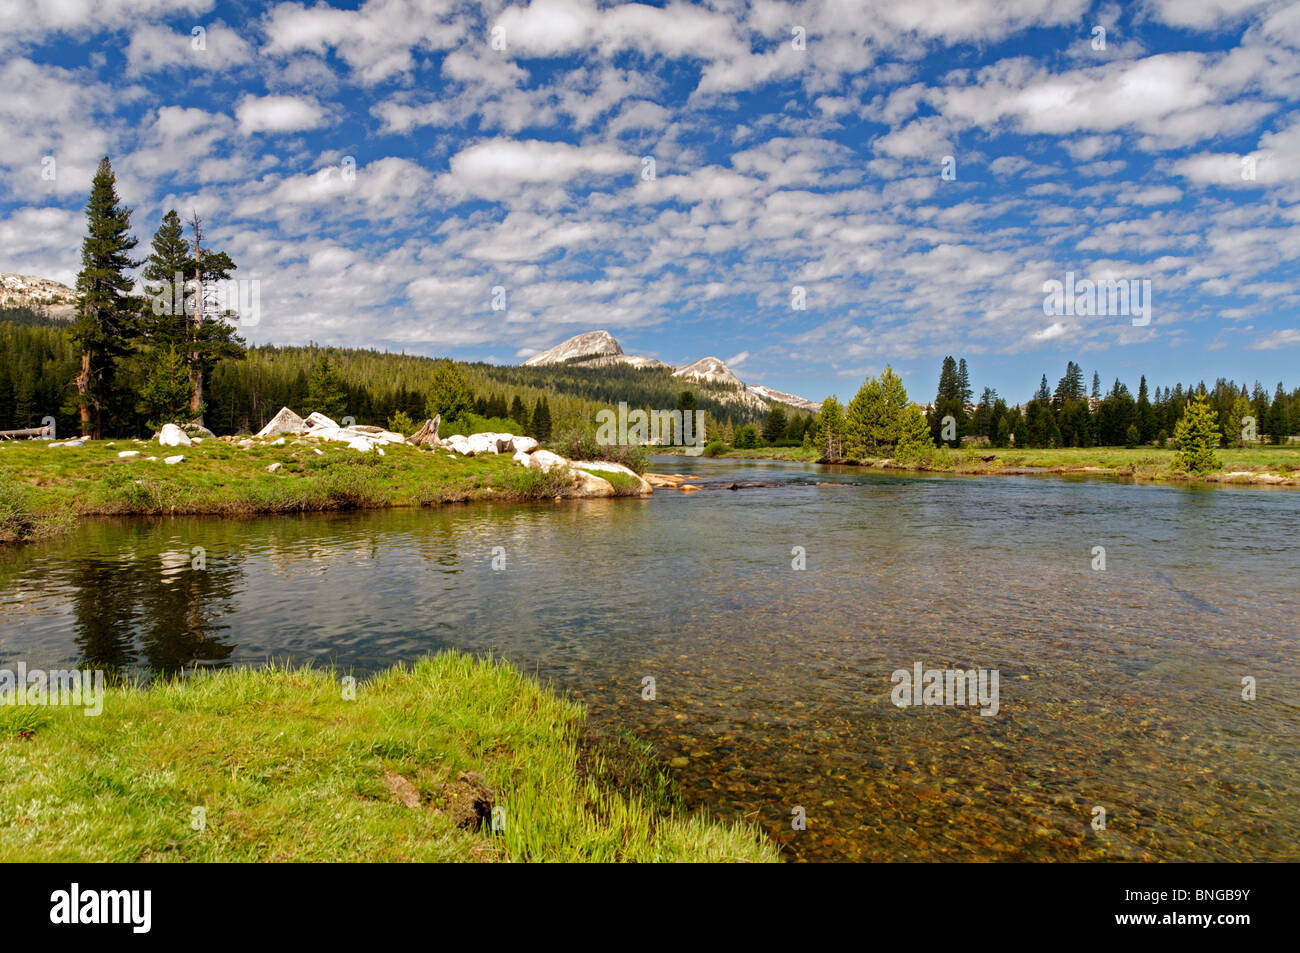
(287, 769)
(43, 490)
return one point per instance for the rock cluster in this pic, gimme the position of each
(358, 437)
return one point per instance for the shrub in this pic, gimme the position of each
(402, 423)
(534, 483)
(579, 443)
(715, 448)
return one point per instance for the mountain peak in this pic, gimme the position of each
(40, 294)
(589, 344)
(708, 369)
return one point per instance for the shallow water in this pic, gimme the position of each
(1119, 689)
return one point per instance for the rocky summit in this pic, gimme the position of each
(598, 348)
(40, 294)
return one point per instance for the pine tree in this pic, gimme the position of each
(105, 324)
(326, 392)
(914, 441)
(1070, 387)
(950, 399)
(949, 387)
(1146, 415)
(775, 426)
(1241, 410)
(829, 429)
(1279, 422)
(450, 397)
(541, 420)
(211, 338)
(964, 391)
(165, 396)
(518, 414)
(165, 269)
(862, 418)
(1196, 437)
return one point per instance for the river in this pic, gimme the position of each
(1119, 689)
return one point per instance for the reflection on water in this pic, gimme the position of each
(1119, 689)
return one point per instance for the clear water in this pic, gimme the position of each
(1119, 689)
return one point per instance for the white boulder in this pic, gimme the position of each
(286, 421)
(545, 460)
(605, 466)
(589, 485)
(523, 444)
(129, 453)
(318, 420)
(176, 459)
(173, 436)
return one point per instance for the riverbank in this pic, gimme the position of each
(1260, 466)
(278, 764)
(44, 489)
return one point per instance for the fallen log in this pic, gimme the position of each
(27, 433)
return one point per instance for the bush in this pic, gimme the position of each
(579, 443)
(715, 448)
(402, 423)
(534, 483)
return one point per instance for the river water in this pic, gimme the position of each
(1119, 689)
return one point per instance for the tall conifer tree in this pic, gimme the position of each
(105, 322)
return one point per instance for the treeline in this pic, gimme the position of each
(243, 393)
(1074, 415)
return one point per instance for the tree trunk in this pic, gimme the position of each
(196, 390)
(83, 385)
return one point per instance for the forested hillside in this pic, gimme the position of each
(40, 363)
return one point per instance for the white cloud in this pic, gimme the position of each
(278, 114)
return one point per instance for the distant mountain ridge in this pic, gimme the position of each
(40, 294)
(599, 348)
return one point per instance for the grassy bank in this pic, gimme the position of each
(1251, 465)
(43, 490)
(285, 768)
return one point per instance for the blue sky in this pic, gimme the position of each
(379, 168)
